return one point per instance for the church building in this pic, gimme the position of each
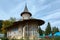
(26, 27)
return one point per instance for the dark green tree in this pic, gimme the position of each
(55, 29)
(48, 29)
(40, 31)
(1, 22)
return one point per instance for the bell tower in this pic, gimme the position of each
(26, 14)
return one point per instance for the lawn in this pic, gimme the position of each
(55, 38)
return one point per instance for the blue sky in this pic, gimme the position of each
(47, 10)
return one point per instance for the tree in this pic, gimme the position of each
(40, 31)
(1, 25)
(55, 29)
(12, 19)
(48, 29)
(6, 23)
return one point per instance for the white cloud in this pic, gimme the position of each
(55, 15)
(43, 27)
(45, 9)
(52, 16)
(56, 23)
(17, 7)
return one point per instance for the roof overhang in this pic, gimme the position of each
(23, 22)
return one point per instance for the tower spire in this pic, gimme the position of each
(26, 9)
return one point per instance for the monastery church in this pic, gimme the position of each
(25, 28)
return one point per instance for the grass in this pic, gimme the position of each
(55, 38)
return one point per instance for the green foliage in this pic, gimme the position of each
(12, 19)
(48, 29)
(40, 31)
(7, 23)
(1, 22)
(4, 38)
(55, 30)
